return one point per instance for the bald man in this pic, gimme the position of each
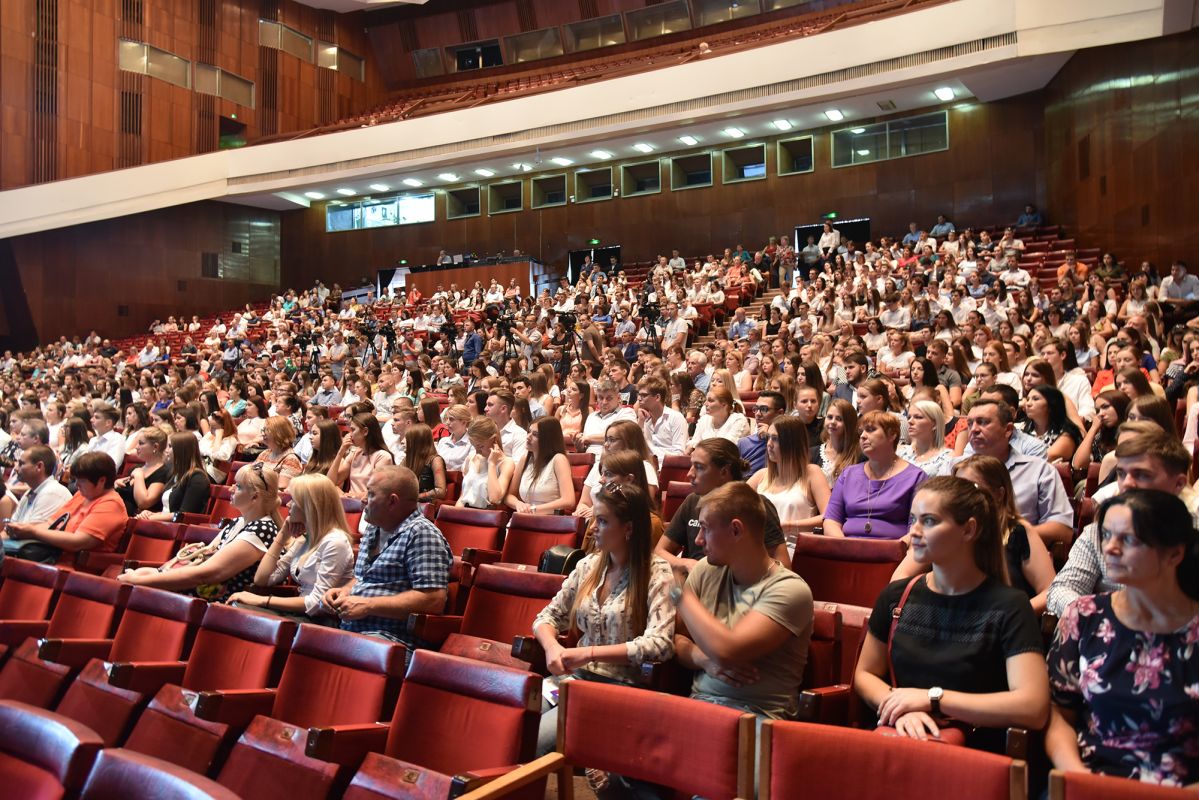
(403, 563)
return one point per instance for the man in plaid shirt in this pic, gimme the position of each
(403, 563)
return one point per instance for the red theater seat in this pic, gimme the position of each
(530, 535)
(674, 469)
(832, 763)
(846, 570)
(427, 740)
(125, 774)
(501, 606)
(87, 608)
(693, 747)
(42, 756)
(581, 464)
(676, 493)
(27, 593)
(233, 650)
(1090, 786)
(476, 528)
(151, 544)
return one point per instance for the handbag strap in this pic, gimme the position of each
(903, 599)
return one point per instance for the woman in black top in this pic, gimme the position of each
(187, 490)
(966, 646)
(421, 457)
(142, 489)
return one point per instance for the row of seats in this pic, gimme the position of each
(236, 694)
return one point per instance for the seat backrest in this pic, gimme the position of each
(334, 677)
(635, 733)
(674, 468)
(198, 533)
(88, 607)
(441, 693)
(28, 589)
(800, 758)
(504, 602)
(152, 541)
(676, 493)
(471, 527)
(61, 747)
(853, 623)
(846, 570)
(156, 626)
(1095, 786)
(124, 773)
(237, 649)
(824, 650)
(530, 535)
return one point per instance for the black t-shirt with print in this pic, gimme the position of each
(685, 525)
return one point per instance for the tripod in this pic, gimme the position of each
(653, 340)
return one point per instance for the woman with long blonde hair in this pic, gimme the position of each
(314, 549)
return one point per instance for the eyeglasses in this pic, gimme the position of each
(761, 409)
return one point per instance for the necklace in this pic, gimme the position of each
(872, 496)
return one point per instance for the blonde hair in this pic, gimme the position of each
(259, 477)
(933, 411)
(156, 436)
(456, 412)
(320, 505)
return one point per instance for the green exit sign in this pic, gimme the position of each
(593, 242)
(830, 215)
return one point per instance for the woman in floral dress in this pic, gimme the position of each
(1124, 666)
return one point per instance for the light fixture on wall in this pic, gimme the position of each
(782, 124)
(346, 192)
(483, 172)
(945, 94)
(690, 141)
(415, 183)
(834, 115)
(449, 177)
(379, 187)
(562, 162)
(314, 195)
(643, 147)
(602, 155)
(733, 133)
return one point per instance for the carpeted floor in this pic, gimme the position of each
(582, 790)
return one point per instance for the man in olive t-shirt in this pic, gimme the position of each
(744, 620)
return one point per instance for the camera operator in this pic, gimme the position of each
(591, 341)
(675, 329)
(529, 334)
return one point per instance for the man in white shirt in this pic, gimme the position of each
(609, 411)
(893, 316)
(45, 495)
(386, 396)
(1013, 276)
(665, 429)
(676, 261)
(513, 438)
(104, 420)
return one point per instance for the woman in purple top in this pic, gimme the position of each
(874, 499)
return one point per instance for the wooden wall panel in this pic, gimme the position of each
(1136, 195)
(465, 277)
(74, 280)
(554, 12)
(437, 30)
(498, 20)
(994, 146)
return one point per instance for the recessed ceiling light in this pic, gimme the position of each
(834, 115)
(314, 195)
(379, 187)
(733, 133)
(346, 192)
(856, 131)
(413, 182)
(782, 124)
(642, 147)
(447, 176)
(485, 173)
(944, 94)
(863, 152)
(602, 155)
(562, 162)
(690, 141)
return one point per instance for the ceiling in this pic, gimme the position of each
(343, 6)
(980, 85)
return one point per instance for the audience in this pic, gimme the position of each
(487, 473)
(541, 482)
(873, 499)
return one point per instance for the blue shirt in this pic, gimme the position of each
(414, 556)
(753, 450)
(470, 350)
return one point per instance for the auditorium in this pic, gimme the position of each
(346, 347)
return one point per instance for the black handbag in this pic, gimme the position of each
(560, 559)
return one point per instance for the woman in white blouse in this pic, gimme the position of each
(719, 419)
(618, 598)
(314, 549)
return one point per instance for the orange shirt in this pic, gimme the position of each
(104, 519)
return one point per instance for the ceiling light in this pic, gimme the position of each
(782, 124)
(886, 105)
(447, 176)
(690, 141)
(346, 192)
(379, 187)
(834, 115)
(856, 131)
(944, 94)
(602, 155)
(863, 152)
(484, 172)
(733, 133)
(562, 162)
(413, 182)
(642, 147)
(314, 195)
(519, 167)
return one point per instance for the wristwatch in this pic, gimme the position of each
(934, 700)
(676, 595)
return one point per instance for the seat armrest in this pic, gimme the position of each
(666, 676)
(15, 631)
(146, 677)
(475, 556)
(825, 704)
(74, 652)
(1016, 744)
(346, 744)
(527, 648)
(506, 784)
(234, 707)
(133, 563)
(282, 590)
(433, 628)
(465, 782)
